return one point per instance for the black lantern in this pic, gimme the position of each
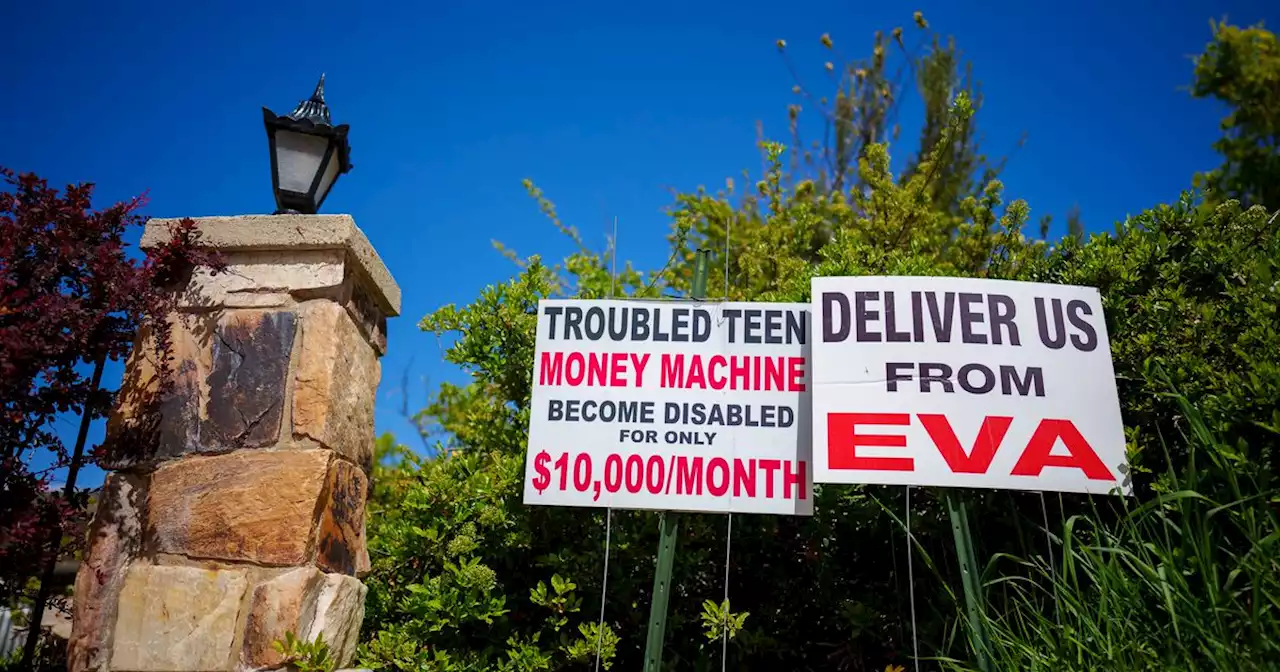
(308, 153)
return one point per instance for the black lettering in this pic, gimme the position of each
(941, 321)
(658, 334)
(797, 326)
(831, 301)
(732, 315)
(1002, 311)
(753, 324)
(891, 333)
(772, 327)
(1009, 381)
(970, 317)
(701, 325)
(618, 327)
(1059, 337)
(862, 315)
(573, 323)
(892, 374)
(595, 332)
(988, 379)
(555, 410)
(1075, 308)
(917, 318)
(935, 372)
(680, 325)
(640, 324)
(552, 312)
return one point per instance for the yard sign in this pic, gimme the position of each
(964, 382)
(684, 406)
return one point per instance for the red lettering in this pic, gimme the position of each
(1036, 456)
(673, 370)
(638, 362)
(984, 447)
(697, 376)
(795, 371)
(617, 367)
(598, 369)
(717, 361)
(570, 376)
(843, 441)
(789, 479)
(551, 371)
(769, 467)
(688, 475)
(744, 478)
(653, 474)
(740, 373)
(772, 374)
(723, 486)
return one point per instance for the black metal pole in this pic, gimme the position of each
(55, 534)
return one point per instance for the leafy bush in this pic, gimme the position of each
(1181, 582)
(466, 578)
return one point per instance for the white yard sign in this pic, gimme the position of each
(964, 382)
(690, 406)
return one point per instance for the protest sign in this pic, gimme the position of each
(687, 406)
(964, 382)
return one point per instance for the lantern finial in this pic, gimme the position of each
(313, 109)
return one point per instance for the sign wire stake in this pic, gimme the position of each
(608, 513)
(1053, 565)
(668, 528)
(728, 535)
(911, 589)
(604, 584)
(724, 636)
(969, 578)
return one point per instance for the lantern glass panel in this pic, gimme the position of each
(326, 180)
(298, 158)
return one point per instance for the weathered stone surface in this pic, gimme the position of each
(339, 613)
(177, 619)
(292, 232)
(251, 352)
(114, 538)
(335, 381)
(284, 604)
(246, 506)
(265, 277)
(341, 544)
(368, 316)
(150, 422)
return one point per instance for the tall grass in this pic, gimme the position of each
(1189, 579)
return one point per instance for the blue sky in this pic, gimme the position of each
(606, 106)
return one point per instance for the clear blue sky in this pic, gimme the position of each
(605, 105)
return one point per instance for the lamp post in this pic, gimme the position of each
(308, 153)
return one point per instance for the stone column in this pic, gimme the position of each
(234, 511)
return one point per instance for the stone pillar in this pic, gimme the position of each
(234, 511)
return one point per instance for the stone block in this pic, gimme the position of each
(284, 604)
(339, 613)
(265, 278)
(368, 316)
(250, 365)
(157, 413)
(341, 543)
(177, 619)
(292, 232)
(335, 381)
(247, 506)
(115, 537)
